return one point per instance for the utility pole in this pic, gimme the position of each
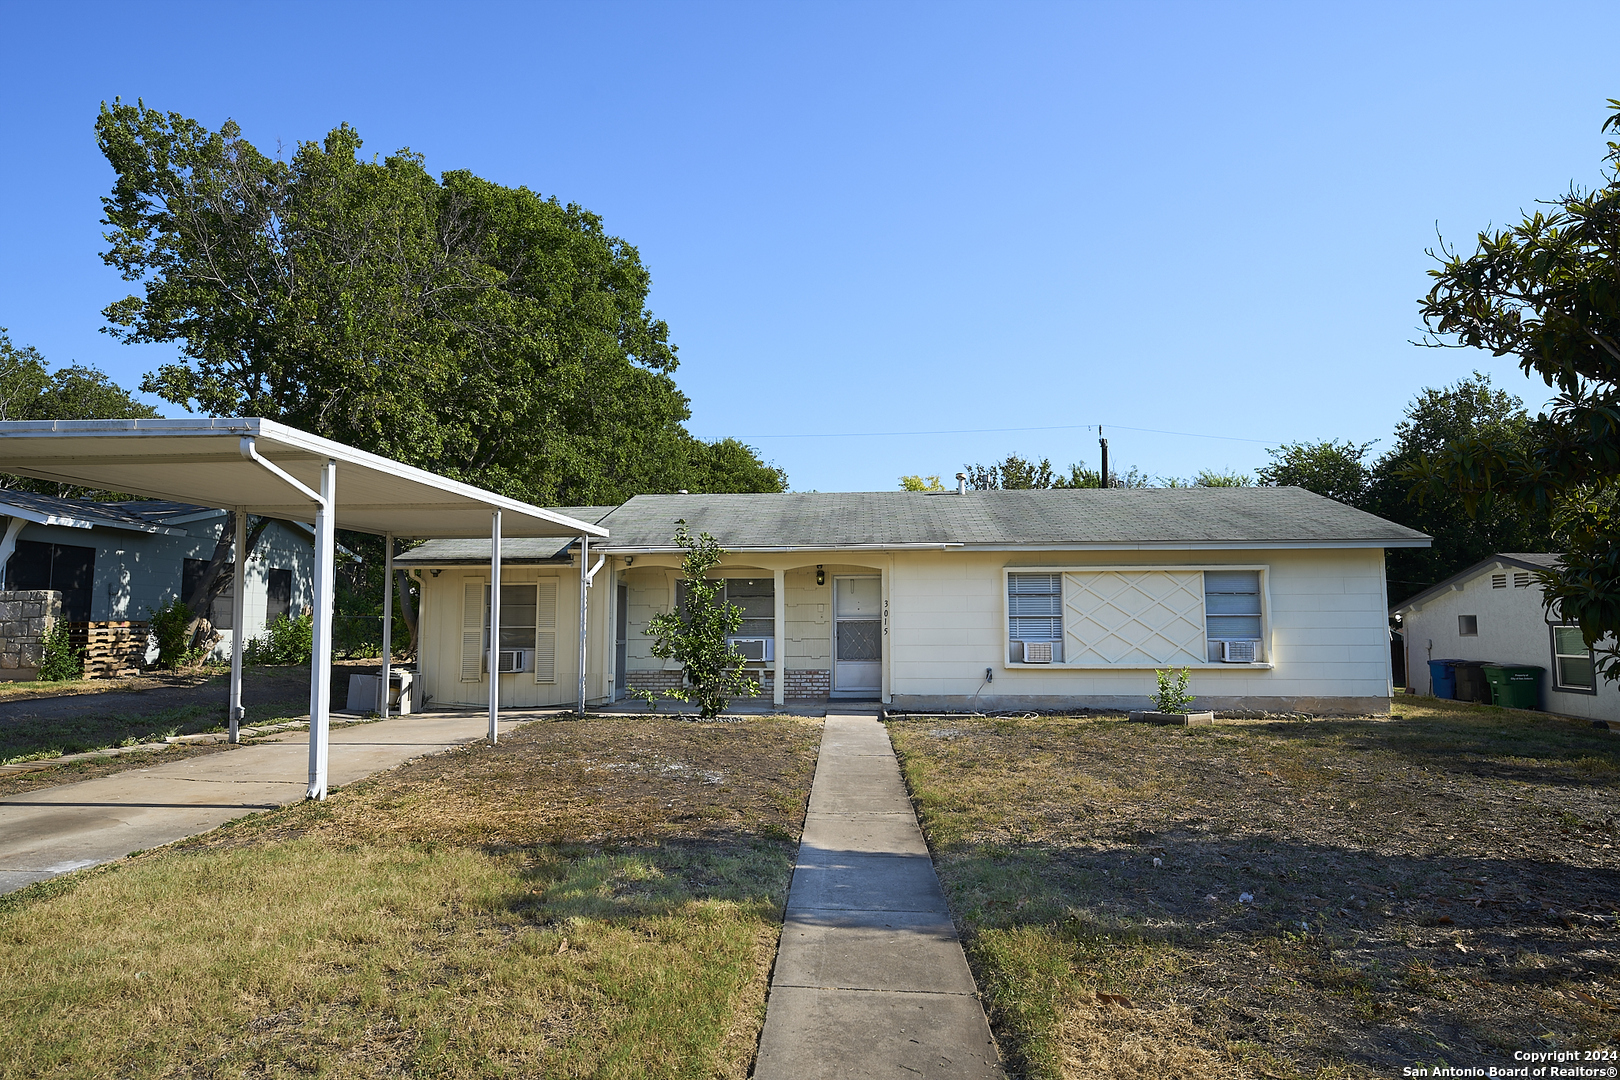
(1104, 443)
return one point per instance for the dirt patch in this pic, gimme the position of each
(1343, 897)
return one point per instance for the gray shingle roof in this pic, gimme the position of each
(1002, 518)
(1060, 518)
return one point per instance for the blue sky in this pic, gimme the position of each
(998, 223)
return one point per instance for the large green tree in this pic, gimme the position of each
(1547, 291)
(478, 330)
(30, 390)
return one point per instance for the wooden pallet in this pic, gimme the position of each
(110, 649)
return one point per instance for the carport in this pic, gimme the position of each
(256, 466)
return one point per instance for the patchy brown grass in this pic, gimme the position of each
(1437, 886)
(598, 898)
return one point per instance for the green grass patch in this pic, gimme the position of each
(563, 905)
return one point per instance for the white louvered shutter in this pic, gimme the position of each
(472, 631)
(545, 632)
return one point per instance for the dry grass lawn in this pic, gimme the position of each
(1329, 898)
(597, 898)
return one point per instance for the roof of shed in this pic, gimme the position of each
(1528, 560)
(1062, 518)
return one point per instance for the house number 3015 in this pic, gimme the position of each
(885, 617)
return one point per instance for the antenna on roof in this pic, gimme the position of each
(1104, 471)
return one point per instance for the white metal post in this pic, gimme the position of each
(779, 663)
(494, 625)
(320, 673)
(239, 620)
(388, 620)
(584, 583)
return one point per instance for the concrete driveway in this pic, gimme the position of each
(55, 830)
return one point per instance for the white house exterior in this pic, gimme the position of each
(117, 561)
(1493, 612)
(1273, 598)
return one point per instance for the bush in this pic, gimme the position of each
(1172, 696)
(285, 641)
(59, 660)
(169, 625)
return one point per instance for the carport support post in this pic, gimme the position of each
(779, 664)
(494, 624)
(320, 667)
(388, 620)
(239, 621)
(584, 583)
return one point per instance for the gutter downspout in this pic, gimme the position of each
(239, 618)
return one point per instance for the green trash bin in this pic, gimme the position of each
(1515, 686)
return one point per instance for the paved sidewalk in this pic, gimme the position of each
(54, 830)
(870, 977)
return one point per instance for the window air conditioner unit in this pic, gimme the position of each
(1037, 652)
(516, 660)
(757, 649)
(1239, 652)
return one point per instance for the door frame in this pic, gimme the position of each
(883, 645)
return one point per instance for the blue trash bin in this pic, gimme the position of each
(1443, 678)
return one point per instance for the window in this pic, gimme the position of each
(757, 599)
(1468, 625)
(223, 609)
(1231, 608)
(1573, 668)
(1034, 615)
(277, 594)
(528, 622)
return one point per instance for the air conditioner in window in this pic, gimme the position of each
(516, 660)
(757, 649)
(1239, 652)
(1037, 652)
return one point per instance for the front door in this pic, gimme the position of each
(858, 635)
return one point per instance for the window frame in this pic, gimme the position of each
(1264, 570)
(1461, 632)
(1555, 682)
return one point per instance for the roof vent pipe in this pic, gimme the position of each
(961, 483)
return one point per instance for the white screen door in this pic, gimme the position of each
(858, 634)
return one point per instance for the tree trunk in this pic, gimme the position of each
(407, 609)
(201, 632)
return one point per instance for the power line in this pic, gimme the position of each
(988, 431)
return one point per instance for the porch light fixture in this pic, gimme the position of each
(821, 576)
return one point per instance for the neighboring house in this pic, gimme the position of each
(116, 561)
(1273, 597)
(1493, 611)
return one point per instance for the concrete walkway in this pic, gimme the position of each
(870, 977)
(54, 830)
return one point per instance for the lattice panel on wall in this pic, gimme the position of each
(1134, 617)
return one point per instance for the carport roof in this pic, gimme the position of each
(205, 461)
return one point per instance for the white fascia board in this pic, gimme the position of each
(610, 549)
(1214, 545)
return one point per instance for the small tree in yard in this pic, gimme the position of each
(695, 633)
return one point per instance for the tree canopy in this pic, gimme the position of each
(30, 390)
(1547, 291)
(481, 331)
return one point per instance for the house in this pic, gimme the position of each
(117, 561)
(1274, 598)
(1493, 611)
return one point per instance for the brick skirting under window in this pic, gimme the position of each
(800, 684)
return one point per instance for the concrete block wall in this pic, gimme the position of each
(26, 616)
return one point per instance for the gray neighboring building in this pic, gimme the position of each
(1493, 612)
(116, 561)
